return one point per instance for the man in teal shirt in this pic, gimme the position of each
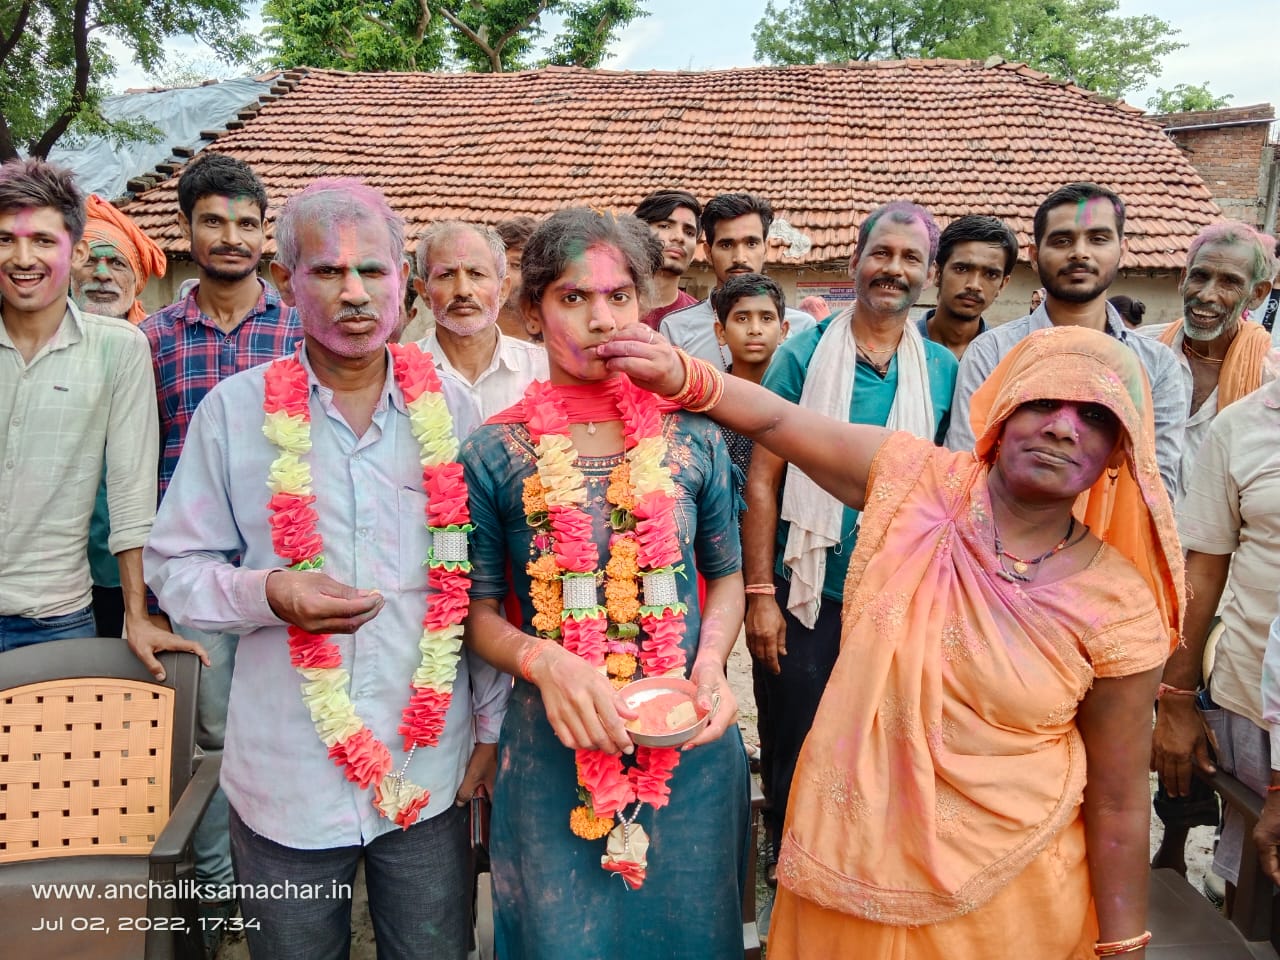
(866, 364)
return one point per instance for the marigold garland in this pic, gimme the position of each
(645, 543)
(365, 759)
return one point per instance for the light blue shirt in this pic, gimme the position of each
(370, 501)
(1170, 386)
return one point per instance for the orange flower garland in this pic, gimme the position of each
(565, 578)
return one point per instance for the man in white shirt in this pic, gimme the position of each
(462, 275)
(331, 666)
(76, 393)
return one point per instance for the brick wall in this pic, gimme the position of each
(1229, 159)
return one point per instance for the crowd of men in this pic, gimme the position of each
(133, 443)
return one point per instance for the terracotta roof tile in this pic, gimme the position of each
(826, 145)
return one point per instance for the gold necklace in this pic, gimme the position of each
(1187, 348)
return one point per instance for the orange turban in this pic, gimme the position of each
(105, 224)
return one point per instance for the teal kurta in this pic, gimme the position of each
(553, 900)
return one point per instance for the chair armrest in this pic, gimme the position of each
(1252, 909)
(191, 806)
(1235, 794)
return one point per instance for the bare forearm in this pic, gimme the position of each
(494, 639)
(1206, 578)
(1113, 719)
(760, 522)
(1118, 843)
(132, 584)
(721, 619)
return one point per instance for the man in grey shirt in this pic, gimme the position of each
(1079, 241)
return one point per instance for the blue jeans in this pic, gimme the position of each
(213, 851)
(23, 631)
(417, 880)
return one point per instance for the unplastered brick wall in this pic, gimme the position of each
(1229, 159)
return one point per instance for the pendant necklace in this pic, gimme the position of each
(1024, 570)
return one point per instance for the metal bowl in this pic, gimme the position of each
(641, 690)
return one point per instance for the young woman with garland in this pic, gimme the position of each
(599, 504)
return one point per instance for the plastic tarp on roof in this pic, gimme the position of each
(180, 114)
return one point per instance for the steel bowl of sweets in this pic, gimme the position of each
(668, 715)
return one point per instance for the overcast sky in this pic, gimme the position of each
(1232, 44)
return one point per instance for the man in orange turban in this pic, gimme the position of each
(120, 261)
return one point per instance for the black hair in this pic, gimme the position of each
(980, 229)
(1076, 193)
(658, 206)
(216, 174)
(35, 183)
(730, 206)
(568, 234)
(1128, 308)
(516, 231)
(746, 285)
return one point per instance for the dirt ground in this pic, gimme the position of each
(1199, 846)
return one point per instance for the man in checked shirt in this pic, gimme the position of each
(229, 321)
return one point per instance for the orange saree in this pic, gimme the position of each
(936, 807)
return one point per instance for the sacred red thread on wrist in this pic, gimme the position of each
(531, 654)
(1166, 688)
(765, 589)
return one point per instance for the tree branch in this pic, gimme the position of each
(8, 149)
(80, 40)
(8, 43)
(495, 61)
(506, 37)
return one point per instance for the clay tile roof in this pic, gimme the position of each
(825, 144)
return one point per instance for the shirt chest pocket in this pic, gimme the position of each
(414, 540)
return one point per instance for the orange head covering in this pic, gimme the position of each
(1128, 509)
(105, 224)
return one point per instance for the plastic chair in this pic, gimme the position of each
(99, 796)
(1186, 926)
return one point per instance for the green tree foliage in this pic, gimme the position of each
(54, 63)
(487, 36)
(1186, 96)
(1082, 41)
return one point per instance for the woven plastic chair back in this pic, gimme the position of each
(84, 767)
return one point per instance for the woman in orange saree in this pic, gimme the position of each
(975, 782)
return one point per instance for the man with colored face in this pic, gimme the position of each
(674, 216)
(976, 255)
(1079, 243)
(736, 235)
(462, 275)
(866, 364)
(515, 233)
(228, 322)
(119, 262)
(107, 279)
(299, 738)
(76, 398)
(1228, 271)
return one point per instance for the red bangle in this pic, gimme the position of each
(531, 654)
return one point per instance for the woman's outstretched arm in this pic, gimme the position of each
(836, 455)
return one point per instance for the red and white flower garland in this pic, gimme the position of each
(566, 545)
(364, 758)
